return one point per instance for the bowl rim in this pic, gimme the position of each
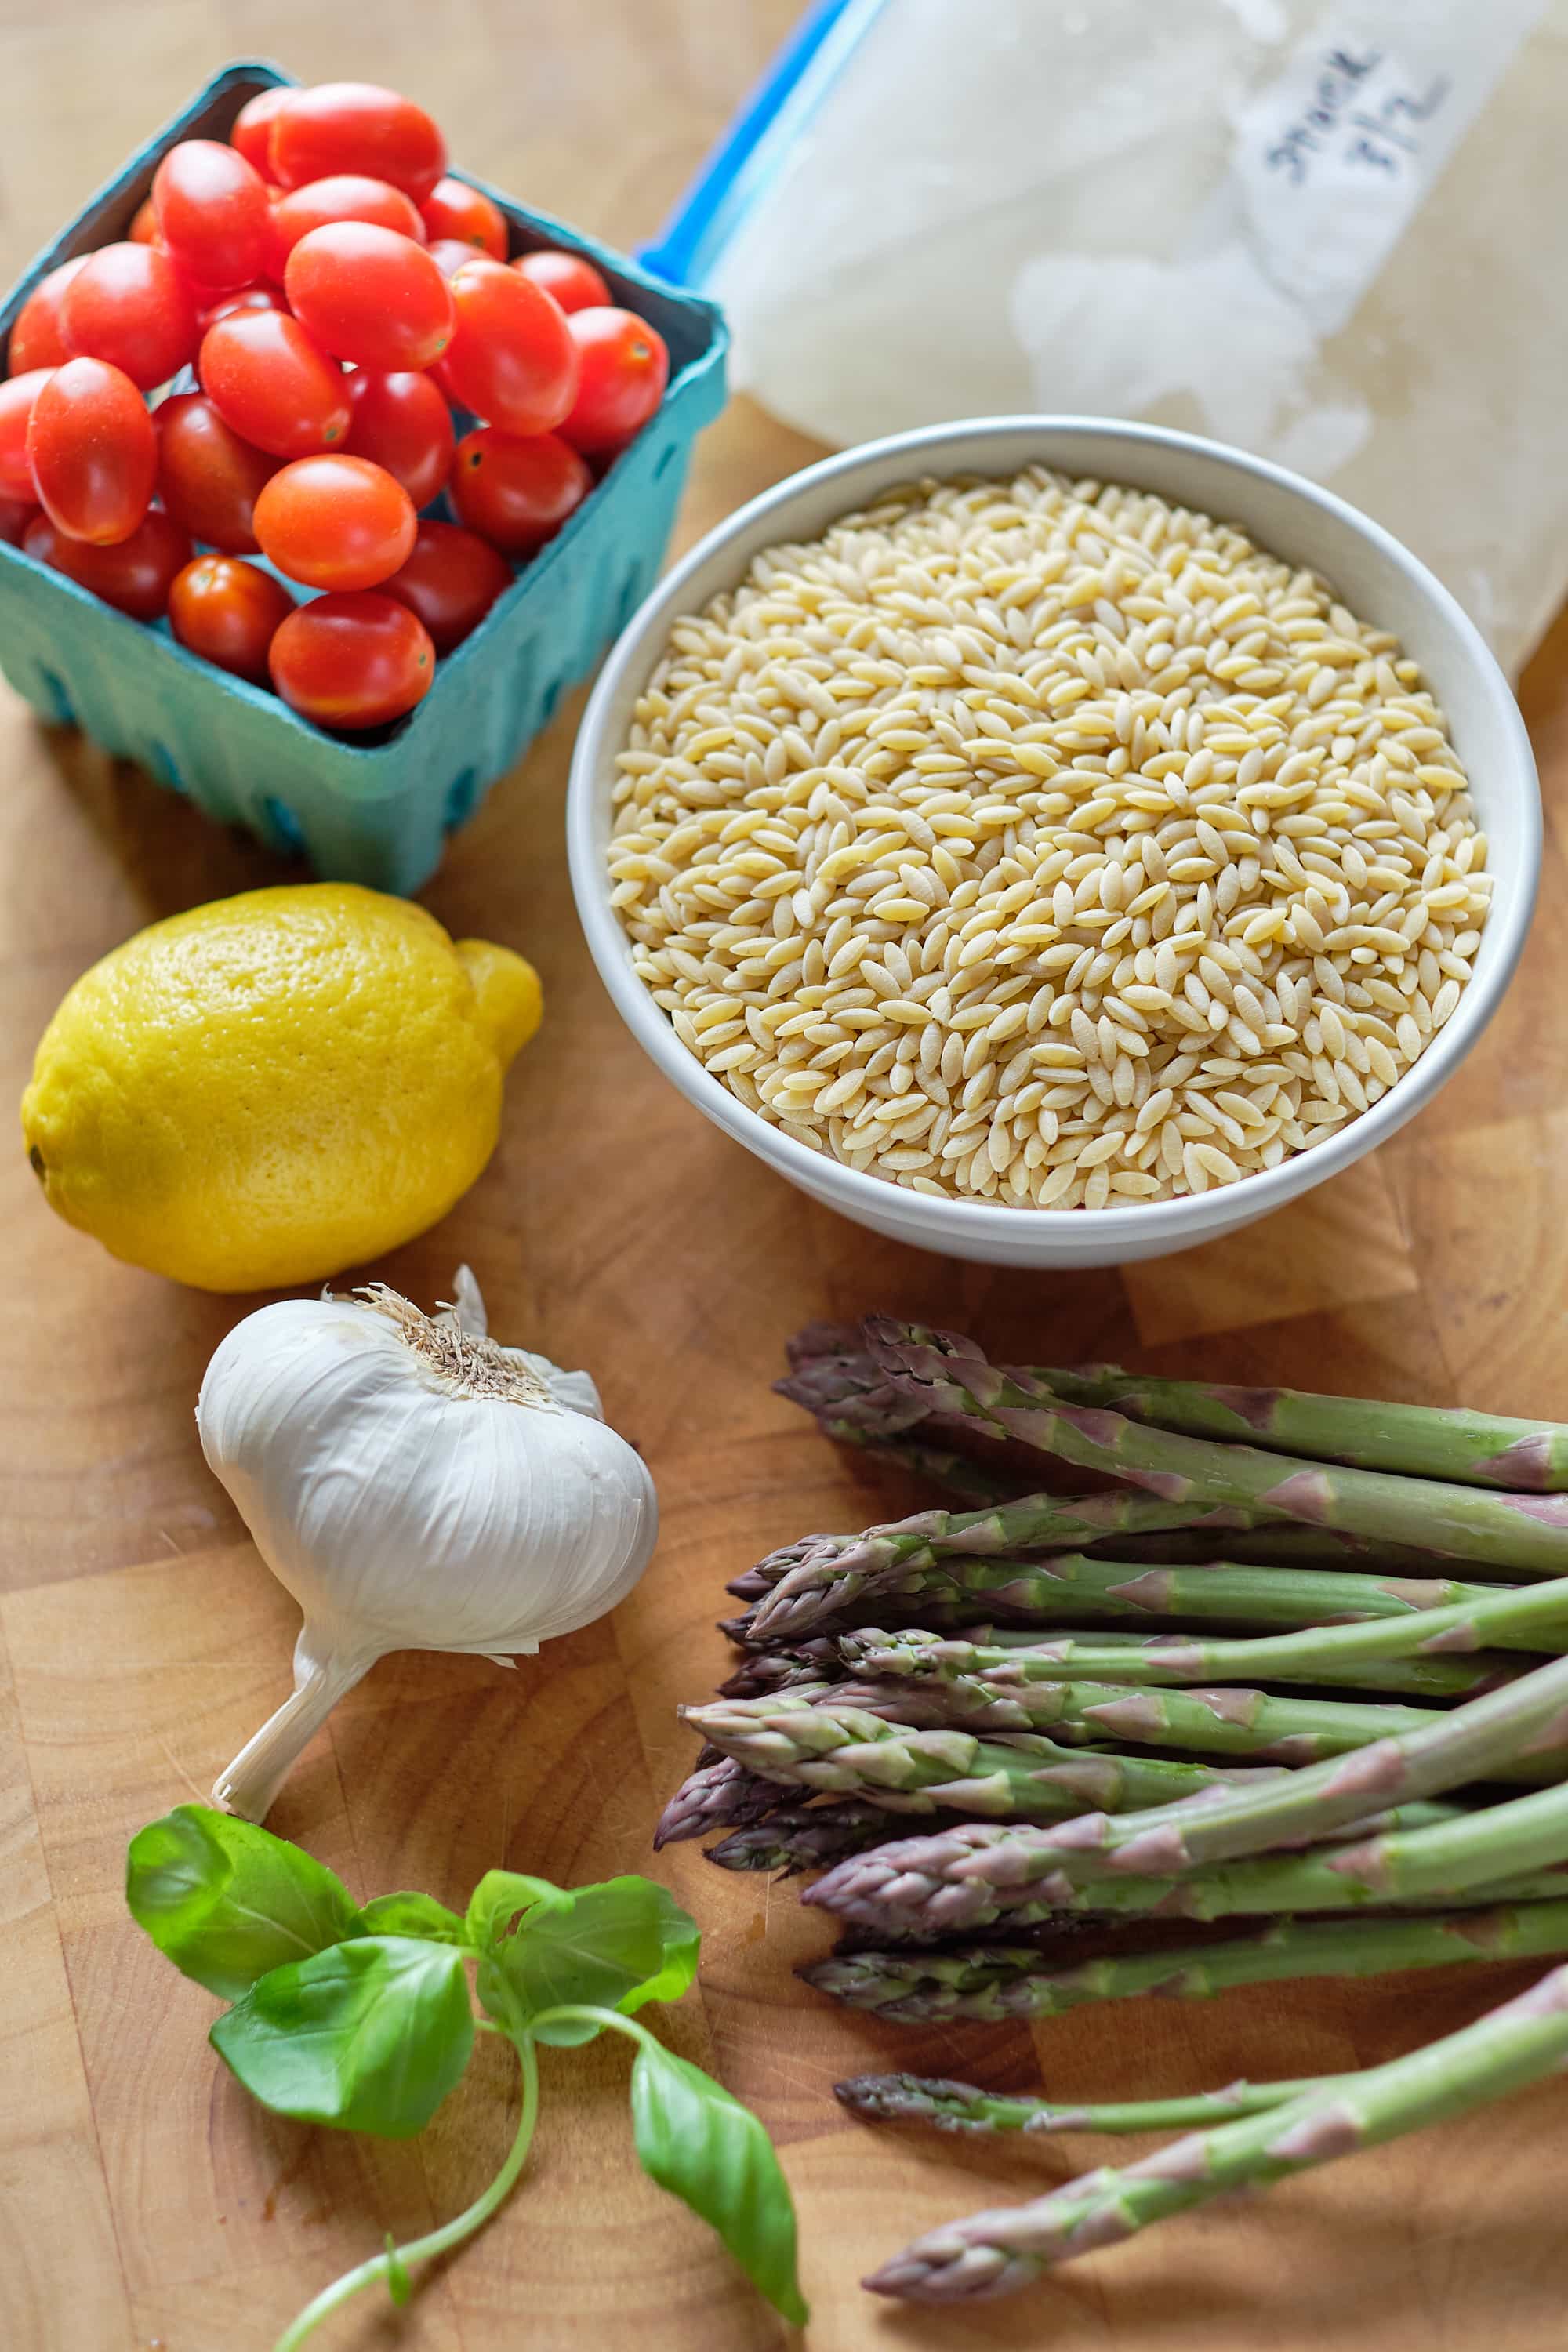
(1194, 1216)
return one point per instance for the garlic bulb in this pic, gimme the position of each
(416, 1487)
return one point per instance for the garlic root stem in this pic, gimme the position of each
(258, 1771)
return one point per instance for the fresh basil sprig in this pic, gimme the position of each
(361, 2018)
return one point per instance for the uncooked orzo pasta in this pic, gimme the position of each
(1040, 843)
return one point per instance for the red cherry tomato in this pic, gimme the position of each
(208, 478)
(511, 360)
(347, 197)
(17, 394)
(244, 298)
(93, 452)
(368, 295)
(134, 575)
(450, 253)
(353, 661)
(16, 514)
(143, 228)
(211, 208)
(252, 129)
(37, 340)
(454, 209)
(130, 307)
(274, 385)
(356, 126)
(517, 490)
(228, 612)
(451, 580)
(335, 522)
(570, 277)
(401, 422)
(624, 368)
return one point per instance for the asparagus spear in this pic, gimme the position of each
(823, 1575)
(1537, 1611)
(1525, 1533)
(807, 1837)
(951, 2106)
(916, 1652)
(997, 1981)
(715, 1793)
(1309, 1556)
(1415, 1440)
(784, 1669)
(977, 1875)
(993, 2254)
(1225, 1722)
(1065, 1587)
(788, 1668)
(844, 1752)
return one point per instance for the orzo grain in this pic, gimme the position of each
(1041, 843)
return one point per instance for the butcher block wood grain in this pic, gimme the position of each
(144, 2201)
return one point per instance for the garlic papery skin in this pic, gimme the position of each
(416, 1487)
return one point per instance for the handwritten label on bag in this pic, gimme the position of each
(1334, 156)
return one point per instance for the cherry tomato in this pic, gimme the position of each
(368, 295)
(244, 298)
(511, 360)
(451, 580)
(134, 575)
(93, 452)
(37, 340)
(355, 126)
(16, 514)
(17, 394)
(209, 479)
(450, 253)
(347, 197)
(335, 522)
(624, 368)
(212, 213)
(517, 490)
(353, 661)
(454, 209)
(570, 277)
(273, 385)
(252, 129)
(401, 422)
(143, 228)
(130, 307)
(228, 612)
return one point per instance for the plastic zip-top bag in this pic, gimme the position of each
(1327, 233)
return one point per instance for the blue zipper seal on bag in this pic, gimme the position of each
(749, 154)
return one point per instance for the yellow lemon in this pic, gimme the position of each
(273, 1087)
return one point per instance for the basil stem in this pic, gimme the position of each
(436, 2241)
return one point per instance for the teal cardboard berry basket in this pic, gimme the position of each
(377, 810)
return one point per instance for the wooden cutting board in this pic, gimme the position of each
(144, 2200)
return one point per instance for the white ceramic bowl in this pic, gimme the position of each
(1292, 518)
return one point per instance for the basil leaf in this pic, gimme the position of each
(412, 1914)
(499, 1897)
(709, 2151)
(592, 1947)
(226, 1901)
(369, 2036)
(682, 1940)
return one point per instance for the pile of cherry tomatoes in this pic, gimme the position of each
(337, 296)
